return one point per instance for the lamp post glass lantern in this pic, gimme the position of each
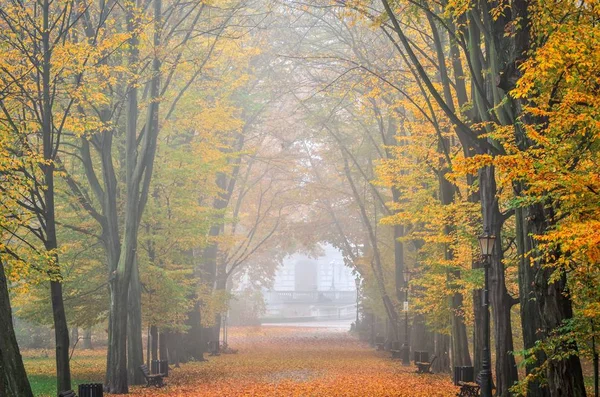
(405, 353)
(487, 242)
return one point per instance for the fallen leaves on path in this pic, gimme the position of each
(290, 362)
(301, 362)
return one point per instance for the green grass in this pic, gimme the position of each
(45, 385)
(86, 367)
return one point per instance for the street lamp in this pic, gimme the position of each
(487, 242)
(405, 354)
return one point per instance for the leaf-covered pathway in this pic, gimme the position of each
(271, 361)
(300, 362)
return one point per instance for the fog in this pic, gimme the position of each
(186, 180)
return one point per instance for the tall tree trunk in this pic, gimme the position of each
(87, 339)
(565, 376)
(135, 346)
(441, 349)
(116, 368)
(421, 337)
(148, 340)
(402, 328)
(477, 297)
(193, 347)
(174, 349)
(545, 304)
(153, 342)
(220, 287)
(116, 360)
(13, 378)
(501, 302)
(460, 342)
(74, 340)
(3, 379)
(550, 304)
(163, 338)
(61, 329)
(61, 337)
(206, 274)
(531, 321)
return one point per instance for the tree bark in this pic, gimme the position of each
(135, 346)
(477, 297)
(74, 337)
(116, 368)
(501, 302)
(545, 305)
(441, 349)
(421, 337)
(193, 347)
(87, 339)
(460, 342)
(220, 285)
(61, 336)
(153, 342)
(163, 338)
(531, 321)
(61, 329)
(174, 348)
(215, 277)
(550, 304)
(3, 381)
(13, 378)
(139, 161)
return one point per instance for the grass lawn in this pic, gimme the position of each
(86, 367)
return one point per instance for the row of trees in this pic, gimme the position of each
(436, 121)
(134, 179)
(155, 154)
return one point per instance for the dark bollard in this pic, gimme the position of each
(405, 354)
(464, 374)
(164, 367)
(379, 342)
(91, 390)
(213, 347)
(421, 357)
(155, 367)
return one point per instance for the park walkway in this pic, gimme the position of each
(300, 361)
(316, 360)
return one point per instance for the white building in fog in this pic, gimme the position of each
(300, 272)
(306, 287)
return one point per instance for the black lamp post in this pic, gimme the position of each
(487, 242)
(406, 345)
